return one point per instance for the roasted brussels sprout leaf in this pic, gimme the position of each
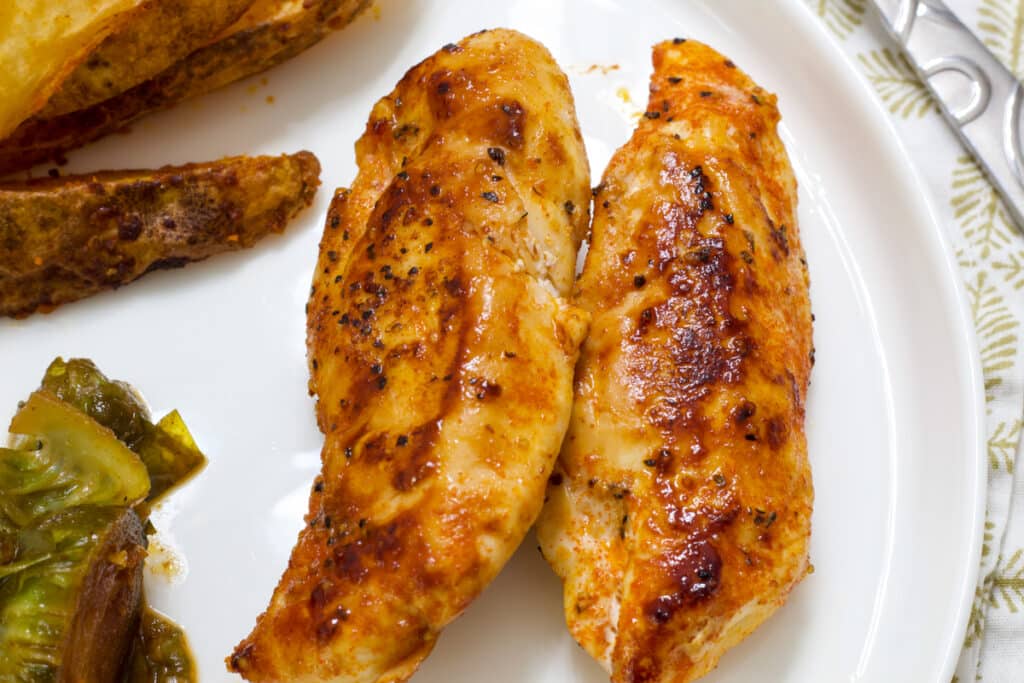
(160, 652)
(170, 455)
(115, 405)
(166, 448)
(69, 459)
(70, 617)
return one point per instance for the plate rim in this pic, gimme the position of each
(941, 253)
(940, 256)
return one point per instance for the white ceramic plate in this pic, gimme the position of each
(894, 412)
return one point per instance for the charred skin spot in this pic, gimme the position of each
(169, 263)
(743, 412)
(694, 574)
(321, 596)
(241, 659)
(326, 629)
(508, 123)
(781, 239)
(484, 389)
(379, 546)
(129, 228)
(776, 432)
(449, 92)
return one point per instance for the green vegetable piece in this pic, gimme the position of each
(170, 455)
(69, 616)
(160, 653)
(68, 459)
(115, 405)
(166, 448)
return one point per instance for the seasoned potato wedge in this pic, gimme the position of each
(41, 42)
(271, 32)
(62, 239)
(156, 35)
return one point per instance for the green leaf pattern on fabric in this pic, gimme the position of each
(1002, 445)
(997, 331)
(1008, 584)
(1001, 26)
(983, 219)
(897, 83)
(841, 16)
(1011, 268)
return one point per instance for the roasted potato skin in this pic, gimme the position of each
(270, 33)
(108, 606)
(62, 239)
(157, 34)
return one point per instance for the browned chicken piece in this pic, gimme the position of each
(63, 239)
(270, 32)
(442, 355)
(679, 511)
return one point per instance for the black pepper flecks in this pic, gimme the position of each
(497, 155)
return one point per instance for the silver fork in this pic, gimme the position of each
(986, 114)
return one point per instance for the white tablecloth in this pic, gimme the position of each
(991, 255)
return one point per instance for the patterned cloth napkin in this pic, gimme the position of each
(991, 255)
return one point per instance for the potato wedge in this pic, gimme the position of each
(157, 34)
(271, 32)
(41, 42)
(63, 239)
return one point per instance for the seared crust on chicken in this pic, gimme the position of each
(679, 512)
(63, 239)
(442, 356)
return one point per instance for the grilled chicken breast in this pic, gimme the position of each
(679, 511)
(442, 354)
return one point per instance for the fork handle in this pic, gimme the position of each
(989, 120)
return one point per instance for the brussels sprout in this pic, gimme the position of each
(160, 653)
(114, 405)
(166, 448)
(68, 459)
(84, 462)
(70, 614)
